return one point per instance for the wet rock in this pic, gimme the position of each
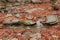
(55, 7)
(15, 22)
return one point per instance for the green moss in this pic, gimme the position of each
(4, 0)
(16, 4)
(26, 23)
(53, 2)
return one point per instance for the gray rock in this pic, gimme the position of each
(7, 21)
(52, 19)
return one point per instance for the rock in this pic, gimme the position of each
(36, 1)
(7, 21)
(51, 19)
